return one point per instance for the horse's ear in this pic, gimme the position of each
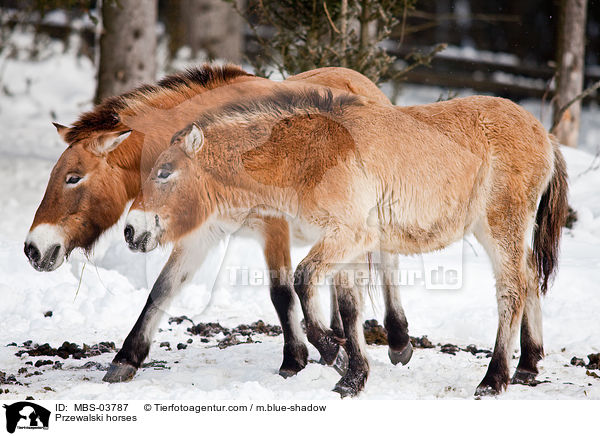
(110, 141)
(193, 141)
(62, 130)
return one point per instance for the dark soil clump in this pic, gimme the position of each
(8, 379)
(576, 361)
(66, 350)
(208, 330)
(232, 336)
(422, 342)
(449, 349)
(375, 333)
(594, 361)
(592, 374)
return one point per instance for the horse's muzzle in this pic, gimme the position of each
(47, 262)
(136, 244)
(142, 231)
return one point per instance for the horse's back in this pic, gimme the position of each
(343, 79)
(440, 166)
(515, 143)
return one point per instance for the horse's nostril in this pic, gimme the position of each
(54, 251)
(128, 233)
(32, 253)
(142, 241)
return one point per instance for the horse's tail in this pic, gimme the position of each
(550, 219)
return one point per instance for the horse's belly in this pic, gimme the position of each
(414, 241)
(404, 237)
(303, 233)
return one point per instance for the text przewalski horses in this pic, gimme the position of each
(429, 174)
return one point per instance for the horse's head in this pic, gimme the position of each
(170, 203)
(85, 195)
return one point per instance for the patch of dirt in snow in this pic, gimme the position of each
(593, 364)
(228, 337)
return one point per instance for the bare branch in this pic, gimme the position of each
(333, 26)
(403, 26)
(420, 60)
(556, 119)
(453, 17)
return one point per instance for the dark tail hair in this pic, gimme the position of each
(550, 219)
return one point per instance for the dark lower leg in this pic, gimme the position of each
(322, 338)
(396, 325)
(178, 269)
(496, 378)
(532, 348)
(277, 255)
(397, 329)
(295, 353)
(336, 319)
(136, 347)
(353, 381)
(400, 349)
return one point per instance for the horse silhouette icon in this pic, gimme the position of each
(27, 415)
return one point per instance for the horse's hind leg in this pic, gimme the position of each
(351, 305)
(325, 256)
(400, 349)
(532, 348)
(335, 323)
(505, 244)
(277, 254)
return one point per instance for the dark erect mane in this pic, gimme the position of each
(282, 103)
(105, 116)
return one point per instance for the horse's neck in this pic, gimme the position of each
(154, 125)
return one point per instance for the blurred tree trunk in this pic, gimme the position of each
(570, 69)
(215, 27)
(175, 25)
(127, 46)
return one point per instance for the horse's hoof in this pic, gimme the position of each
(287, 373)
(295, 358)
(486, 391)
(523, 377)
(340, 364)
(350, 385)
(345, 391)
(328, 346)
(402, 356)
(119, 372)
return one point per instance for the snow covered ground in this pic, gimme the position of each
(115, 284)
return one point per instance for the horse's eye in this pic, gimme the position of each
(163, 173)
(73, 179)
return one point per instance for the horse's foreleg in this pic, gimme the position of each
(400, 349)
(178, 270)
(351, 304)
(277, 254)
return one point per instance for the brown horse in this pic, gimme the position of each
(363, 177)
(111, 150)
